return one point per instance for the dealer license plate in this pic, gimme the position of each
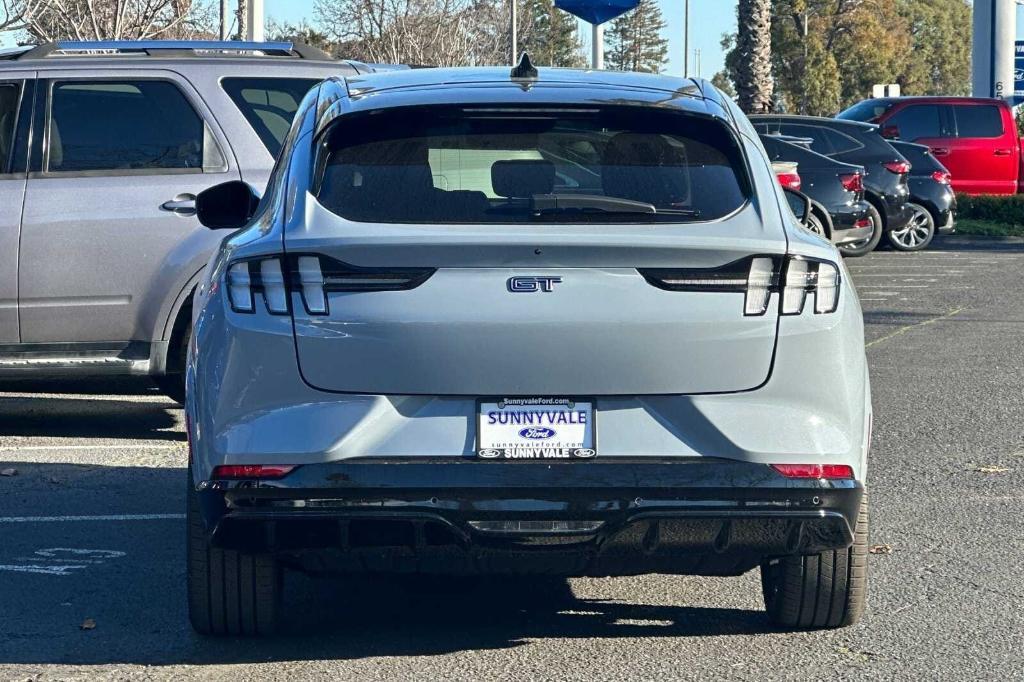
(536, 428)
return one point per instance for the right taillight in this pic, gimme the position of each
(790, 180)
(897, 167)
(313, 277)
(852, 182)
(942, 177)
(795, 278)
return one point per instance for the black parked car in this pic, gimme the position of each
(838, 209)
(932, 198)
(886, 171)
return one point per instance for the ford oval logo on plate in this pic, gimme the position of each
(535, 433)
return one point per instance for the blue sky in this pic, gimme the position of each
(709, 19)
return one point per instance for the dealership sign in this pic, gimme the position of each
(1018, 70)
(596, 11)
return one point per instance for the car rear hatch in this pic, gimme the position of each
(539, 253)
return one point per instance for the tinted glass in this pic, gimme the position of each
(841, 143)
(978, 120)
(9, 95)
(917, 121)
(867, 111)
(123, 125)
(268, 104)
(449, 165)
(821, 142)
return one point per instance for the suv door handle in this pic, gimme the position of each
(1002, 152)
(183, 204)
(940, 151)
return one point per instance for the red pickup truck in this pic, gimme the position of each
(975, 138)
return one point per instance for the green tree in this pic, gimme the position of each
(722, 81)
(636, 40)
(549, 34)
(940, 60)
(752, 56)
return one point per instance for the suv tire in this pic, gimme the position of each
(918, 233)
(827, 590)
(172, 384)
(865, 247)
(229, 592)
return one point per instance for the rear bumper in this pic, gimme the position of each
(844, 220)
(611, 517)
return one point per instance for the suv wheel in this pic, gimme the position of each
(918, 233)
(229, 592)
(827, 590)
(866, 246)
(816, 224)
(172, 384)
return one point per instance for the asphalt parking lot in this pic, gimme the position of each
(92, 536)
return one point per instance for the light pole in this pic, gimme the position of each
(686, 38)
(597, 46)
(514, 29)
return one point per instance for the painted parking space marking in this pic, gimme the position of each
(97, 517)
(61, 561)
(907, 328)
(112, 446)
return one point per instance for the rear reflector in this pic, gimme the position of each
(249, 471)
(825, 471)
(863, 222)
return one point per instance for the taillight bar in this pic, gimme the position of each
(312, 276)
(757, 277)
(942, 177)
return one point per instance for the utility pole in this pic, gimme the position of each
(686, 38)
(597, 46)
(225, 19)
(696, 61)
(514, 33)
(242, 14)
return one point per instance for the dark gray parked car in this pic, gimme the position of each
(103, 147)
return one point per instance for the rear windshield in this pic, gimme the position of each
(501, 165)
(867, 111)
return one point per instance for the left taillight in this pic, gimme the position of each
(757, 277)
(852, 182)
(313, 277)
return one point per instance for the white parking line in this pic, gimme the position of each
(101, 517)
(109, 446)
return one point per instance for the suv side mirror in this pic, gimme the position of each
(800, 204)
(229, 205)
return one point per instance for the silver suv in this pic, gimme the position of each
(552, 321)
(103, 148)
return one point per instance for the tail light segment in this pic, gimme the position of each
(897, 167)
(852, 182)
(313, 277)
(796, 278)
(942, 177)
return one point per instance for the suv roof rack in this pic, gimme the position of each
(166, 48)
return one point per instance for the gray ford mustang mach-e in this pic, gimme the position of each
(560, 322)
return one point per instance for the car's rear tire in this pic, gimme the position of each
(172, 384)
(866, 246)
(827, 590)
(816, 223)
(917, 234)
(229, 592)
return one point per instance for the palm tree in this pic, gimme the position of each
(754, 83)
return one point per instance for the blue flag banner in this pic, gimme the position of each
(1018, 69)
(596, 11)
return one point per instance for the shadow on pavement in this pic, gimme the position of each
(134, 591)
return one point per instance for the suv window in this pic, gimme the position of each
(127, 126)
(978, 120)
(449, 165)
(268, 104)
(918, 121)
(9, 96)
